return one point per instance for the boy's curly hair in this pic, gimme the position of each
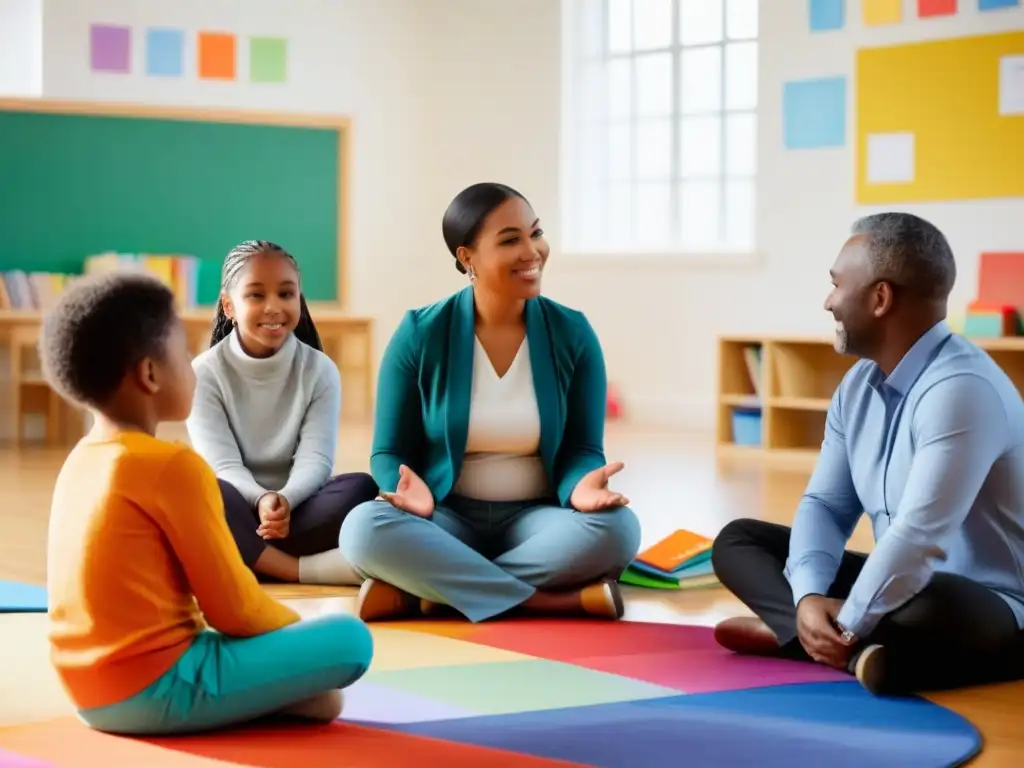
(99, 329)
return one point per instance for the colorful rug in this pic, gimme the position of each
(532, 694)
(16, 597)
(10, 760)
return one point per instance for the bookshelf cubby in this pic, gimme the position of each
(786, 383)
(347, 339)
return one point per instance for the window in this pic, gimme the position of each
(659, 128)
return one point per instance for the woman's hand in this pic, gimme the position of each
(412, 495)
(275, 516)
(592, 493)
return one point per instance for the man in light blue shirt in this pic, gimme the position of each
(926, 435)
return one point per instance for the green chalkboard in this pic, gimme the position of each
(72, 185)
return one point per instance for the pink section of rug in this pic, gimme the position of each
(682, 657)
(710, 671)
(11, 760)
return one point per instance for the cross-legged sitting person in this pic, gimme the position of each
(488, 443)
(926, 435)
(156, 624)
(265, 417)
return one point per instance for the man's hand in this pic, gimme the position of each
(816, 626)
(275, 516)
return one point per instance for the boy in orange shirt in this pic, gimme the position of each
(157, 626)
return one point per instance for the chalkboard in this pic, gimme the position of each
(73, 185)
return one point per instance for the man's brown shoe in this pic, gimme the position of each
(747, 635)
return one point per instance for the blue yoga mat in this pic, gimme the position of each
(835, 724)
(22, 598)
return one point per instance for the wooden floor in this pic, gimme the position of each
(672, 481)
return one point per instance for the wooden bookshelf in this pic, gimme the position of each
(347, 339)
(797, 377)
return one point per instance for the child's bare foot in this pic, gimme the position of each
(323, 708)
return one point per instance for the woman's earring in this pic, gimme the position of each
(472, 275)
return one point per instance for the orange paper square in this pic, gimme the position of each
(217, 56)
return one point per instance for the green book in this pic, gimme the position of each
(637, 579)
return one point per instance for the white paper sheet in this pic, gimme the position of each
(890, 158)
(1011, 85)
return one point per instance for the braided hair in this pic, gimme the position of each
(234, 263)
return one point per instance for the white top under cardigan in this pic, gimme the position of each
(502, 460)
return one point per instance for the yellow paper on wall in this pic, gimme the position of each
(937, 120)
(879, 12)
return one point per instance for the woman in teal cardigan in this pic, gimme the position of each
(488, 443)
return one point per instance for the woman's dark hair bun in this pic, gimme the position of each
(469, 210)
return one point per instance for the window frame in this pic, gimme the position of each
(575, 14)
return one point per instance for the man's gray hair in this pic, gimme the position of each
(909, 252)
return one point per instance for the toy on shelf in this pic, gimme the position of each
(613, 411)
(747, 425)
(996, 311)
(989, 321)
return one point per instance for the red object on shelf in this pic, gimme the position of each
(614, 409)
(1001, 279)
(984, 306)
(1009, 319)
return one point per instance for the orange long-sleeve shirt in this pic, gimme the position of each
(139, 553)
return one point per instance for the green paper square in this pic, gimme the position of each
(268, 59)
(507, 687)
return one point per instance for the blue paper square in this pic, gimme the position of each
(993, 5)
(165, 52)
(22, 598)
(814, 113)
(826, 14)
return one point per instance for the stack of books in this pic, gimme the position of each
(177, 272)
(681, 560)
(21, 290)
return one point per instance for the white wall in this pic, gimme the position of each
(361, 58)
(348, 57)
(491, 79)
(445, 93)
(509, 62)
(21, 47)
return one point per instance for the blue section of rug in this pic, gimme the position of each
(828, 724)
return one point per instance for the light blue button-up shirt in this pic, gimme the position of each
(934, 454)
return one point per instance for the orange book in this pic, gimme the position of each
(675, 550)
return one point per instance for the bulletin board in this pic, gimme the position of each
(941, 120)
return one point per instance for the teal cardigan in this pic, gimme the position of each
(423, 393)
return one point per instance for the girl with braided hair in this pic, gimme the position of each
(265, 417)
